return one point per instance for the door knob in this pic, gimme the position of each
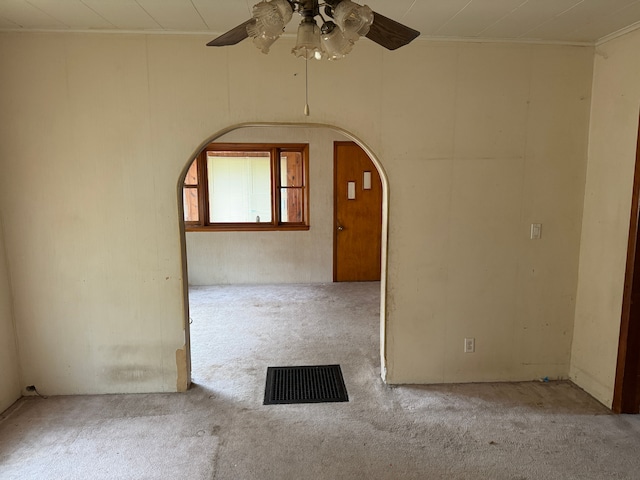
(340, 228)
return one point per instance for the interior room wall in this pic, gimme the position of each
(506, 149)
(274, 257)
(478, 141)
(9, 368)
(607, 210)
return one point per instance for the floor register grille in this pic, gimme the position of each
(308, 384)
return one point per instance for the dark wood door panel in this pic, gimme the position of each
(357, 221)
(626, 395)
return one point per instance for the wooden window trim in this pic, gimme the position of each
(204, 224)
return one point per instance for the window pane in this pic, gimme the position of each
(192, 174)
(291, 172)
(291, 205)
(190, 202)
(239, 187)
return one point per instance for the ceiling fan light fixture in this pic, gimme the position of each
(334, 43)
(264, 42)
(308, 40)
(270, 18)
(354, 20)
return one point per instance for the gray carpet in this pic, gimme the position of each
(221, 430)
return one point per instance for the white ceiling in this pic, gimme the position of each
(571, 21)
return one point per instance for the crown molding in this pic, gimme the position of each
(525, 41)
(618, 34)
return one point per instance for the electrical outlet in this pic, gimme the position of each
(469, 345)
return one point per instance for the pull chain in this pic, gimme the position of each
(306, 87)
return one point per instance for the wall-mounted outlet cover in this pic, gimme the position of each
(469, 345)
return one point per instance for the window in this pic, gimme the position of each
(233, 186)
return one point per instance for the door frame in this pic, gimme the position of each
(626, 393)
(184, 366)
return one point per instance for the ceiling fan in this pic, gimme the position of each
(343, 22)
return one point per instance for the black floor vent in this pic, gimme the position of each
(313, 384)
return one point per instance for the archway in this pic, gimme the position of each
(185, 374)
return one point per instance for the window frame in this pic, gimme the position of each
(275, 149)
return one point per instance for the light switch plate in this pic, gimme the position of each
(536, 231)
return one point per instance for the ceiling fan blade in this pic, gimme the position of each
(233, 36)
(389, 33)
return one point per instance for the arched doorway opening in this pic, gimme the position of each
(266, 128)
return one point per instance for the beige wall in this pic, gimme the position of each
(274, 257)
(605, 230)
(9, 369)
(478, 141)
(505, 149)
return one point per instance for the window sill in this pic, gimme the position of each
(247, 228)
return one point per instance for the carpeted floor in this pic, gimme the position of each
(221, 430)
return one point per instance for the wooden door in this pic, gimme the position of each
(357, 215)
(626, 395)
